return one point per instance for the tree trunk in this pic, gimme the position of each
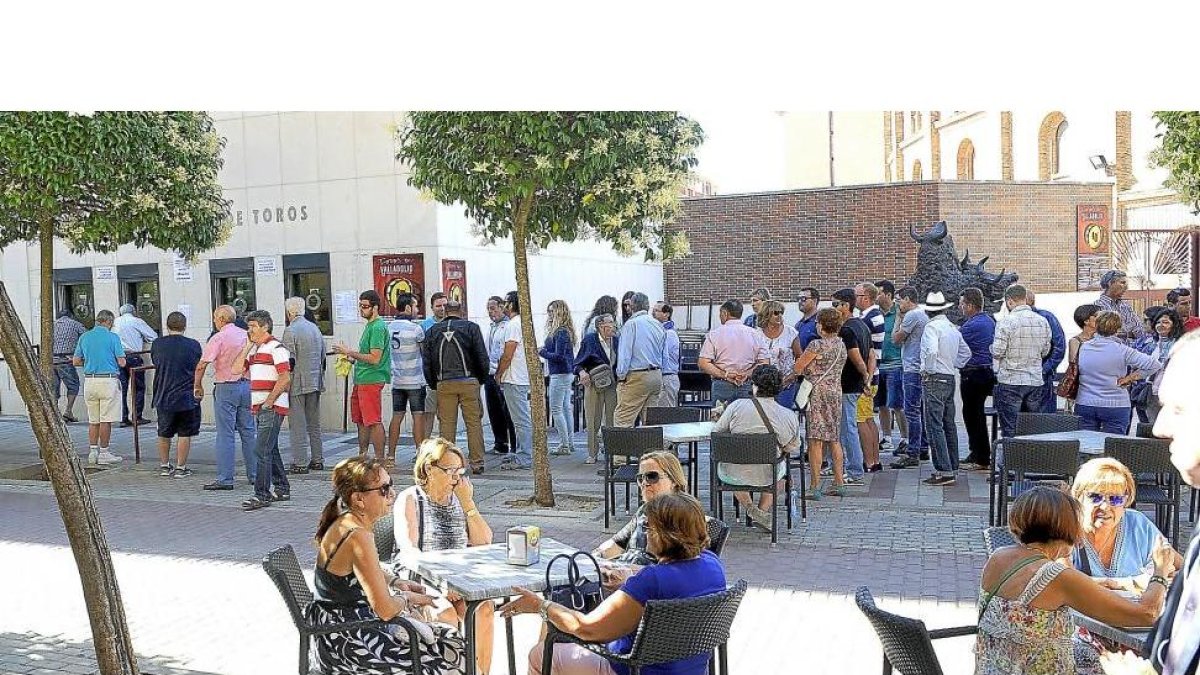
(110, 633)
(46, 302)
(543, 484)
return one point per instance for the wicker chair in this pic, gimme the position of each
(1027, 425)
(749, 449)
(1024, 458)
(997, 537)
(667, 415)
(907, 644)
(283, 568)
(718, 532)
(1151, 456)
(1145, 430)
(385, 538)
(628, 445)
(670, 630)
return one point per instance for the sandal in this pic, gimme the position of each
(254, 503)
(838, 490)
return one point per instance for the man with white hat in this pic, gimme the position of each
(943, 352)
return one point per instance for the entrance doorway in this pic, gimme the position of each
(308, 278)
(139, 287)
(233, 285)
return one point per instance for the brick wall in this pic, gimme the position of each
(832, 237)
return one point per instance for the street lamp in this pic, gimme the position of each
(1101, 162)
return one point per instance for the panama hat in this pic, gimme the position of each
(936, 302)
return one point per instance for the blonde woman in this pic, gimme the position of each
(559, 352)
(783, 347)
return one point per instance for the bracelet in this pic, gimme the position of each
(472, 512)
(1160, 579)
(543, 610)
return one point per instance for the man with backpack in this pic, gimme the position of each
(456, 364)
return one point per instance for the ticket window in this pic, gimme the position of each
(143, 295)
(313, 287)
(79, 299)
(233, 285)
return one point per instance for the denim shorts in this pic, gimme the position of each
(413, 399)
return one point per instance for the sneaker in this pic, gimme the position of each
(875, 468)
(142, 421)
(759, 517)
(901, 448)
(219, 486)
(294, 469)
(477, 470)
(181, 472)
(885, 444)
(939, 480)
(316, 466)
(852, 480)
(827, 471)
(906, 462)
(166, 470)
(563, 450)
(836, 490)
(278, 496)
(973, 466)
(105, 457)
(254, 503)
(814, 494)
(590, 460)
(513, 465)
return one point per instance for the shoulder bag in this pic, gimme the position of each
(767, 421)
(1068, 387)
(579, 592)
(805, 390)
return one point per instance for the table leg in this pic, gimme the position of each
(512, 651)
(694, 458)
(469, 631)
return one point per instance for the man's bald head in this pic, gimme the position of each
(223, 315)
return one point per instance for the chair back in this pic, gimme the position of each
(906, 642)
(669, 415)
(385, 538)
(745, 449)
(1141, 455)
(1029, 423)
(631, 442)
(672, 630)
(997, 537)
(718, 532)
(284, 569)
(1145, 430)
(1031, 456)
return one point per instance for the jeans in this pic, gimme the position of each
(892, 381)
(266, 450)
(977, 385)
(231, 404)
(503, 434)
(851, 443)
(516, 399)
(560, 407)
(725, 391)
(1049, 396)
(304, 427)
(1012, 399)
(939, 422)
(139, 387)
(913, 401)
(1109, 420)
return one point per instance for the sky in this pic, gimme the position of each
(743, 151)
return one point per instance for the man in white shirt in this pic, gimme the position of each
(504, 437)
(943, 352)
(136, 336)
(512, 372)
(1022, 341)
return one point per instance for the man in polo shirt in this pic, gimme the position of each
(977, 379)
(268, 363)
(729, 354)
(231, 397)
(669, 396)
(100, 353)
(639, 362)
(806, 327)
(175, 357)
(372, 370)
(890, 395)
(908, 335)
(135, 335)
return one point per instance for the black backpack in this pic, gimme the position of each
(452, 358)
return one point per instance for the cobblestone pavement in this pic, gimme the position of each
(198, 602)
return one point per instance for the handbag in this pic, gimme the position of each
(803, 390)
(579, 592)
(1068, 387)
(602, 376)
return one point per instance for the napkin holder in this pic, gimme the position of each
(524, 545)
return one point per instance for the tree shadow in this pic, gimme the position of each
(38, 654)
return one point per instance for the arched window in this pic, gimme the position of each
(966, 160)
(1049, 145)
(916, 170)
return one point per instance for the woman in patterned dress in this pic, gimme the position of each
(351, 585)
(821, 364)
(439, 514)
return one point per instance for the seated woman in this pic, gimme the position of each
(759, 414)
(438, 514)
(1026, 594)
(1118, 542)
(351, 585)
(678, 536)
(658, 473)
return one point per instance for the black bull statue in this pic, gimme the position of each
(940, 269)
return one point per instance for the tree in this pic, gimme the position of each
(1180, 153)
(539, 177)
(97, 182)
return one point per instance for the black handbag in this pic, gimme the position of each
(579, 593)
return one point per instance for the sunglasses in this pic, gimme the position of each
(452, 470)
(777, 313)
(648, 478)
(365, 305)
(1113, 500)
(383, 490)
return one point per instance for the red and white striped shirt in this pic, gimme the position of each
(265, 362)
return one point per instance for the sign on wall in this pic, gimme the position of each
(396, 274)
(454, 282)
(106, 274)
(1092, 221)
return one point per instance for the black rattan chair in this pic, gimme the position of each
(1145, 429)
(283, 568)
(718, 532)
(1028, 463)
(997, 537)
(680, 415)
(907, 644)
(1151, 456)
(670, 630)
(628, 445)
(385, 538)
(749, 449)
(1027, 425)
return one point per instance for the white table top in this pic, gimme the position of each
(1134, 638)
(1090, 442)
(482, 572)
(686, 432)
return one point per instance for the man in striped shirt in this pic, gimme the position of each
(1113, 299)
(865, 296)
(408, 375)
(268, 363)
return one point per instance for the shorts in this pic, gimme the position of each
(68, 376)
(431, 400)
(413, 399)
(366, 404)
(891, 389)
(181, 423)
(865, 411)
(102, 396)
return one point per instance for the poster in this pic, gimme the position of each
(183, 270)
(1092, 221)
(454, 281)
(106, 274)
(345, 307)
(265, 266)
(399, 273)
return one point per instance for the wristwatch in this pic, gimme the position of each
(543, 610)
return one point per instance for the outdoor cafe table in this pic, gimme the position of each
(482, 574)
(1134, 638)
(1091, 444)
(691, 433)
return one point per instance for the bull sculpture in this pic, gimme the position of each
(940, 269)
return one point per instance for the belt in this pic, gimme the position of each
(937, 376)
(966, 368)
(101, 375)
(666, 373)
(642, 370)
(231, 382)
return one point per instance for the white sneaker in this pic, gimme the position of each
(105, 457)
(93, 456)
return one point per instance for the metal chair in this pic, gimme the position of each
(679, 415)
(1151, 456)
(997, 537)
(718, 532)
(629, 445)
(1145, 430)
(1027, 425)
(749, 450)
(385, 538)
(1024, 458)
(670, 630)
(283, 568)
(907, 644)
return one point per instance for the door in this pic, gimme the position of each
(313, 286)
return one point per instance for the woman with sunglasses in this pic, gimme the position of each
(351, 585)
(783, 348)
(658, 473)
(439, 514)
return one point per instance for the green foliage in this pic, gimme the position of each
(1180, 153)
(112, 178)
(615, 176)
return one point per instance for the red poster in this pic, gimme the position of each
(396, 274)
(454, 281)
(1092, 220)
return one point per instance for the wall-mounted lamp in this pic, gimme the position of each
(1100, 162)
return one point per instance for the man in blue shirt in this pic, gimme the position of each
(639, 362)
(807, 325)
(908, 335)
(890, 396)
(669, 396)
(102, 356)
(175, 358)
(977, 377)
(1058, 350)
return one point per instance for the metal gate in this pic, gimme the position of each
(1157, 261)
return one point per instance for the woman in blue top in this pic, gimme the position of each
(1106, 369)
(1168, 328)
(678, 536)
(559, 352)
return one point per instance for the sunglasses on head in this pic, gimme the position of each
(383, 490)
(648, 478)
(1113, 500)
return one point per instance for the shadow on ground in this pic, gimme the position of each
(42, 654)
